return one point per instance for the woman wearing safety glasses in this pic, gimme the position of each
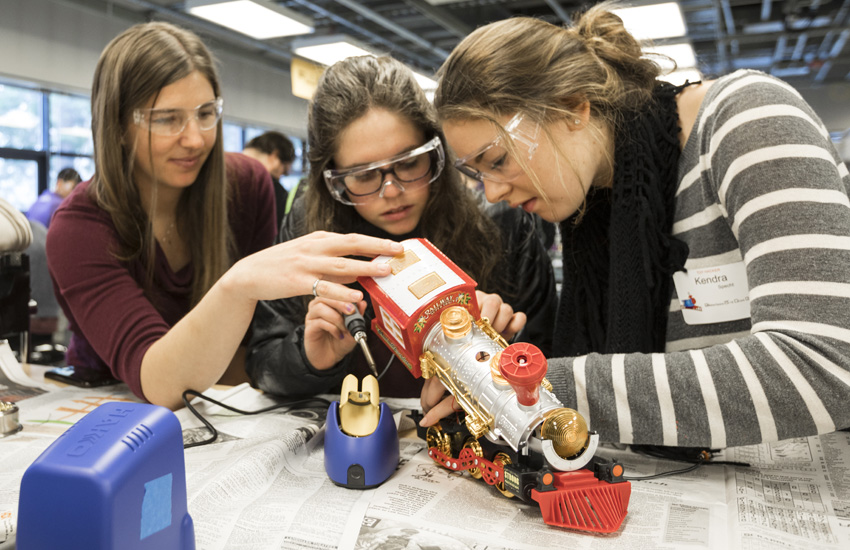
(705, 227)
(159, 260)
(378, 167)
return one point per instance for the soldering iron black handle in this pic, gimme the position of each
(355, 322)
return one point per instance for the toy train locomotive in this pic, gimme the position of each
(513, 432)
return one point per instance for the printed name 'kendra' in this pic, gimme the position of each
(707, 280)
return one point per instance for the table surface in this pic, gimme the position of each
(262, 484)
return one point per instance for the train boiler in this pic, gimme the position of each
(512, 432)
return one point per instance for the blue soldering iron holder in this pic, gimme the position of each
(361, 462)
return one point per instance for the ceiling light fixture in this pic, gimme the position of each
(327, 50)
(683, 54)
(256, 18)
(653, 21)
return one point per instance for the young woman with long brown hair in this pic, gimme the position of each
(160, 259)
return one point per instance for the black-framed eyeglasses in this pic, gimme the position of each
(171, 122)
(410, 170)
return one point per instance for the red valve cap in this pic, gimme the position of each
(523, 365)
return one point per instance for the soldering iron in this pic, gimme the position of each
(356, 325)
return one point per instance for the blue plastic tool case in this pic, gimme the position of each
(116, 479)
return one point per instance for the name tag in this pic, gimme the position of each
(713, 294)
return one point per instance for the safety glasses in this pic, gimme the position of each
(171, 122)
(410, 170)
(500, 166)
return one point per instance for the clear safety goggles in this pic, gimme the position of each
(500, 166)
(170, 122)
(410, 170)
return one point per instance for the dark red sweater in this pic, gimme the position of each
(113, 322)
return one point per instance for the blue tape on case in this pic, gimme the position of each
(156, 506)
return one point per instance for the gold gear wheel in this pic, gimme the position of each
(472, 443)
(435, 437)
(505, 460)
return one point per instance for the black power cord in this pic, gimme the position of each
(293, 404)
(666, 474)
(698, 456)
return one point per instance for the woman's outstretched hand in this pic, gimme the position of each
(291, 268)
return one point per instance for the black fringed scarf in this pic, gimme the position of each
(619, 258)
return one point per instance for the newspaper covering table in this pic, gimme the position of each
(262, 484)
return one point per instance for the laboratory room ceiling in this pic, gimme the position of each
(804, 42)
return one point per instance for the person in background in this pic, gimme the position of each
(44, 322)
(276, 153)
(727, 190)
(43, 208)
(159, 260)
(377, 159)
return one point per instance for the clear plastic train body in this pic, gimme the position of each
(513, 432)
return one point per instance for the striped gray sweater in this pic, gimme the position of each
(759, 181)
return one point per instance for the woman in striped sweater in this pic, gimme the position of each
(705, 228)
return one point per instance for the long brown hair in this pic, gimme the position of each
(451, 218)
(132, 69)
(548, 73)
